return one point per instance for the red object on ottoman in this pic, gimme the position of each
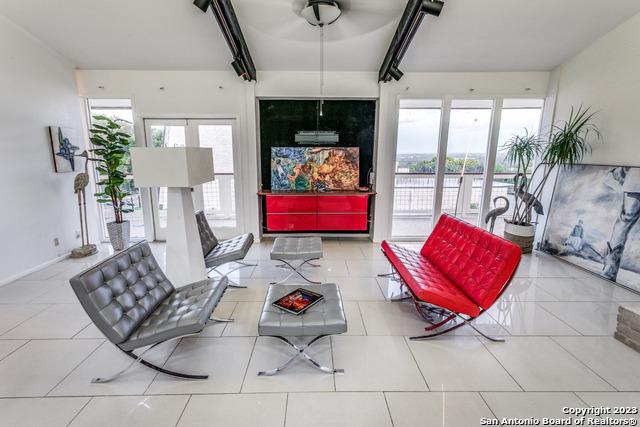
(460, 271)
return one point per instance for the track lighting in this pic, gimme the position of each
(412, 16)
(228, 22)
(239, 69)
(203, 5)
(395, 73)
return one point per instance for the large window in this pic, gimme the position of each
(468, 148)
(119, 109)
(469, 126)
(519, 117)
(416, 158)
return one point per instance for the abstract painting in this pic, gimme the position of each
(63, 149)
(594, 221)
(314, 168)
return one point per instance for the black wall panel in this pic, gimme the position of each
(354, 120)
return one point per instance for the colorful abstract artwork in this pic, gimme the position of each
(594, 221)
(63, 149)
(314, 168)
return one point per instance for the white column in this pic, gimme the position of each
(185, 262)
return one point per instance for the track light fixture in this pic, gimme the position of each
(203, 5)
(413, 15)
(226, 18)
(395, 73)
(237, 66)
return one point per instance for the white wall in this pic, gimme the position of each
(38, 90)
(606, 76)
(191, 93)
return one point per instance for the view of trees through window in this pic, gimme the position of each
(418, 140)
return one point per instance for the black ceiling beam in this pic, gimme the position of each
(228, 22)
(411, 19)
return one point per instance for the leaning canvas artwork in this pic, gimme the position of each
(593, 221)
(314, 168)
(64, 150)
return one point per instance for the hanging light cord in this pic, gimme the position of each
(321, 67)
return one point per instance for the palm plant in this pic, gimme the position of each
(567, 145)
(111, 152)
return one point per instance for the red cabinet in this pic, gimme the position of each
(293, 203)
(341, 204)
(292, 222)
(317, 212)
(342, 222)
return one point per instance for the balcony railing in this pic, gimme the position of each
(414, 193)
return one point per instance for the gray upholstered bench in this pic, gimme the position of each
(131, 301)
(291, 249)
(320, 320)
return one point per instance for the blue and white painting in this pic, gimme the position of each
(64, 151)
(594, 221)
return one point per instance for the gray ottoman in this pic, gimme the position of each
(323, 319)
(290, 249)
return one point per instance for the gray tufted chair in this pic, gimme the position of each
(217, 253)
(131, 301)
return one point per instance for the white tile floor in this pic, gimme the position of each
(559, 351)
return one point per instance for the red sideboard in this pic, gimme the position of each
(316, 211)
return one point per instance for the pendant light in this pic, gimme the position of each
(320, 13)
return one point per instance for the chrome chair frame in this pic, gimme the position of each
(300, 353)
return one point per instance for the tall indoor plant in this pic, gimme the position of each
(111, 152)
(566, 146)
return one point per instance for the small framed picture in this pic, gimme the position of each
(63, 148)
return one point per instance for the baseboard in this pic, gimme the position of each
(20, 275)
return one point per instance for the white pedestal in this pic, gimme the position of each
(185, 262)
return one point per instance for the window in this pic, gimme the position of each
(467, 148)
(519, 116)
(416, 159)
(119, 109)
(469, 126)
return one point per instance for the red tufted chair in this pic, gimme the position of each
(458, 274)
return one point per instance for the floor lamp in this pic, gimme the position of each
(179, 169)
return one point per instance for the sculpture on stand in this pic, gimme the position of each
(79, 185)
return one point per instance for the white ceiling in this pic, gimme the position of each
(470, 35)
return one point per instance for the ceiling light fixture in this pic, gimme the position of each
(321, 12)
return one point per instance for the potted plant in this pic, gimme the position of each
(566, 146)
(111, 154)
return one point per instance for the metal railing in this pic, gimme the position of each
(414, 193)
(219, 196)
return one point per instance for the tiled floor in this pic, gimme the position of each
(559, 351)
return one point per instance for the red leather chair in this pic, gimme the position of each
(458, 274)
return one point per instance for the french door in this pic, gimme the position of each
(217, 198)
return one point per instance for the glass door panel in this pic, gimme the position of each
(163, 133)
(519, 117)
(218, 197)
(416, 159)
(469, 126)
